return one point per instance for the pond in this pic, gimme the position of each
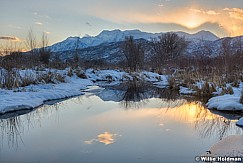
(132, 123)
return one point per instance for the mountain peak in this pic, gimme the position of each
(206, 35)
(109, 32)
(108, 36)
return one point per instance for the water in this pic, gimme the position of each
(114, 125)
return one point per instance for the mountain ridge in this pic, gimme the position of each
(108, 36)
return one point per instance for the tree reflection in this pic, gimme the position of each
(137, 94)
(12, 129)
(209, 124)
(13, 124)
(216, 124)
(212, 124)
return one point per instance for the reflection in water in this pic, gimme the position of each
(11, 129)
(160, 103)
(137, 94)
(134, 94)
(12, 125)
(205, 122)
(105, 138)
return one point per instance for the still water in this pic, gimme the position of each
(114, 125)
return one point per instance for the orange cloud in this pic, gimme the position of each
(211, 12)
(230, 19)
(235, 13)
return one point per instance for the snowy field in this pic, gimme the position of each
(32, 96)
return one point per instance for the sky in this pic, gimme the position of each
(60, 19)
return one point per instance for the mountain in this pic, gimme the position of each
(107, 45)
(106, 36)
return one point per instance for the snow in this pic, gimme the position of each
(184, 90)
(35, 95)
(32, 96)
(231, 146)
(240, 122)
(225, 103)
(107, 36)
(104, 75)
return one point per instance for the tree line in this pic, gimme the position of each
(167, 47)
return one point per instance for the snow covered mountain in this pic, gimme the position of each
(107, 45)
(106, 36)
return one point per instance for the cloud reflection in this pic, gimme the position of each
(105, 138)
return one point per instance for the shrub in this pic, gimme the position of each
(51, 77)
(241, 97)
(9, 79)
(206, 90)
(172, 83)
(70, 72)
(81, 74)
(229, 90)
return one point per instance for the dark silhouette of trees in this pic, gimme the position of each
(134, 53)
(168, 47)
(44, 52)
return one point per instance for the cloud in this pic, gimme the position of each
(196, 10)
(41, 16)
(10, 38)
(207, 12)
(211, 12)
(38, 23)
(47, 32)
(235, 13)
(228, 19)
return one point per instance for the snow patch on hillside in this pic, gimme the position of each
(72, 43)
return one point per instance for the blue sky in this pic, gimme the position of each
(61, 18)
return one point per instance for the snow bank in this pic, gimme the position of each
(32, 96)
(35, 95)
(225, 103)
(117, 75)
(240, 122)
(106, 75)
(185, 90)
(231, 146)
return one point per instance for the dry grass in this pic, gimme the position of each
(10, 79)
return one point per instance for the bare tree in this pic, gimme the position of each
(134, 53)
(226, 50)
(169, 46)
(76, 58)
(31, 42)
(44, 53)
